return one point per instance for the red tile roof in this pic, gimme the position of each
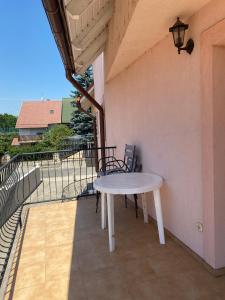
(39, 114)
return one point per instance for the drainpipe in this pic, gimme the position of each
(99, 108)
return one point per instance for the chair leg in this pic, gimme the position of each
(136, 205)
(97, 200)
(125, 196)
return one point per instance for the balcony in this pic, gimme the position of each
(27, 139)
(62, 252)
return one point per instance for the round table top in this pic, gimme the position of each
(128, 183)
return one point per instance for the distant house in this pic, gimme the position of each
(35, 118)
(67, 109)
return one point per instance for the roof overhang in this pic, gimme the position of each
(80, 30)
(87, 22)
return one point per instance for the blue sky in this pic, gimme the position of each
(30, 64)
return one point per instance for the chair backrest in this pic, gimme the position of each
(130, 157)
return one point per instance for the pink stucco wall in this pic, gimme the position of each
(156, 104)
(213, 166)
(219, 153)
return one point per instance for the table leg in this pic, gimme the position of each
(159, 216)
(144, 207)
(110, 206)
(103, 210)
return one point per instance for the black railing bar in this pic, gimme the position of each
(68, 175)
(74, 169)
(49, 179)
(36, 182)
(61, 174)
(66, 150)
(42, 175)
(54, 160)
(80, 164)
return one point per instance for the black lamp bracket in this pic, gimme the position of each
(189, 47)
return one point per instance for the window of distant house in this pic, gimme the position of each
(51, 111)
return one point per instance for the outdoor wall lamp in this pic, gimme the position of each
(178, 31)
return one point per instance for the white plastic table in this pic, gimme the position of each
(129, 184)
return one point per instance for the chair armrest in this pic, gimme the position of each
(106, 158)
(116, 163)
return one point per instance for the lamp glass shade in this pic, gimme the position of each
(178, 31)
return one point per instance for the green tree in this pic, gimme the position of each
(13, 150)
(81, 123)
(84, 80)
(5, 142)
(7, 121)
(53, 138)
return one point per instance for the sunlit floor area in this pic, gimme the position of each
(64, 255)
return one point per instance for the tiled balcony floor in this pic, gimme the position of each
(65, 255)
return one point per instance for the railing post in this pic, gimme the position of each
(56, 157)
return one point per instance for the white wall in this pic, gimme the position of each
(98, 69)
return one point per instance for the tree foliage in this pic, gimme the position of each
(7, 121)
(84, 80)
(81, 123)
(5, 142)
(53, 138)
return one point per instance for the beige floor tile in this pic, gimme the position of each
(157, 289)
(107, 283)
(31, 256)
(65, 255)
(70, 289)
(30, 293)
(29, 275)
(60, 262)
(33, 243)
(59, 237)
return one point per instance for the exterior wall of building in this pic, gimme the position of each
(219, 142)
(156, 104)
(213, 165)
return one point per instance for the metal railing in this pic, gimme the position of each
(9, 213)
(32, 178)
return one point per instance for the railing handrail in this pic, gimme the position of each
(66, 150)
(8, 162)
